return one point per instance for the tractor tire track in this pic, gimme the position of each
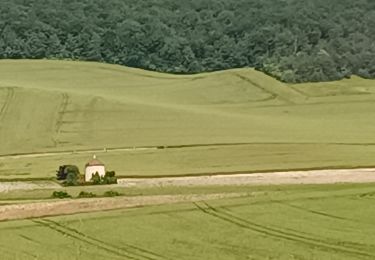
(89, 115)
(9, 97)
(306, 236)
(280, 234)
(83, 239)
(59, 120)
(271, 94)
(130, 252)
(342, 244)
(277, 93)
(314, 211)
(128, 247)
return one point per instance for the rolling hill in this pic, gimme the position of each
(240, 120)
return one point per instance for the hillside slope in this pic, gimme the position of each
(57, 106)
(293, 40)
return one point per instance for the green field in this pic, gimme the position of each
(280, 222)
(237, 120)
(144, 123)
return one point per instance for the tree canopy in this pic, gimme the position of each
(292, 40)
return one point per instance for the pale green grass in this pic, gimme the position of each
(285, 222)
(201, 160)
(348, 87)
(67, 106)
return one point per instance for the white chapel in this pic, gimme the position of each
(92, 167)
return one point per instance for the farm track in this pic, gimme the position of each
(160, 147)
(73, 206)
(275, 93)
(333, 176)
(340, 247)
(252, 83)
(59, 121)
(30, 239)
(89, 115)
(354, 246)
(128, 251)
(9, 97)
(323, 214)
(272, 95)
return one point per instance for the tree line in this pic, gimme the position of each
(292, 40)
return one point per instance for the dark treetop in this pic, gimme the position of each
(292, 40)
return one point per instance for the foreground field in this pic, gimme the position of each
(281, 222)
(56, 112)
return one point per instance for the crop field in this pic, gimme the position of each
(147, 124)
(55, 112)
(279, 222)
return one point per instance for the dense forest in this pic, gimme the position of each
(292, 40)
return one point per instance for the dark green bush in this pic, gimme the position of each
(72, 179)
(111, 193)
(60, 195)
(108, 178)
(96, 179)
(84, 194)
(64, 170)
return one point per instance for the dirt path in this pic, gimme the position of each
(63, 207)
(275, 178)
(66, 207)
(27, 185)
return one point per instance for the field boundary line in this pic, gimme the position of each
(161, 147)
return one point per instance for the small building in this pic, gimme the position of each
(92, 167)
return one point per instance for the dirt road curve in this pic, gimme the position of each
(65, 207)
(296, 177)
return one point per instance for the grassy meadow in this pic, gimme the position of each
(249, 121)
(279, 222)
